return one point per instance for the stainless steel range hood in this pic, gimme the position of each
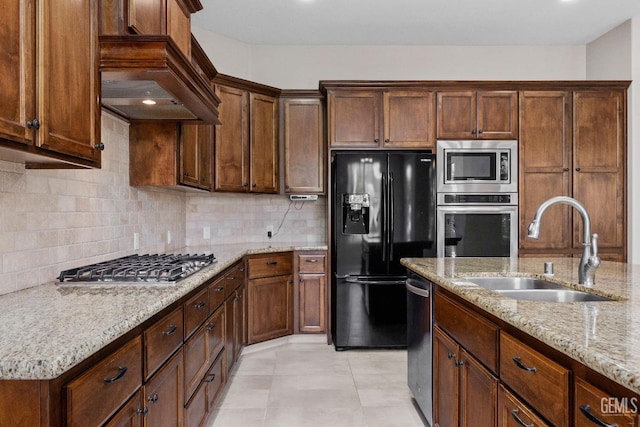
(135, 68)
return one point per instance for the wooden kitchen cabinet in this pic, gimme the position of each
(164, 394)
(269, 297)
(573, 144)
(311, 279)
(465, 393)
(50, 114)
(381, 118)
(235, 310)
(246, 143)
(594, 407)
(470, 114)
(131, 414)
(302, 124)
(514, 413)
(196, 156)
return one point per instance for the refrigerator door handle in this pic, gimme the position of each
(385, 213)
(391, 216)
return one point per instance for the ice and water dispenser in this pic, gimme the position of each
(355, 214)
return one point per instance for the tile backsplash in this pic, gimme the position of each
(52, 220)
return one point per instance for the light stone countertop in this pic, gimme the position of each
(48, 329)
(605, 336)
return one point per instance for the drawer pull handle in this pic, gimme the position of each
(219, 289)
(211, 379)
(210, 326)
(515, 416)
(121, 371)
(144, 411)
(199, 305)
(272, 262)
(172, 330)
(521, 365)
(312, 260)
(153, 398)
(586, 411)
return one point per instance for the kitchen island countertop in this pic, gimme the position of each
(48, 329)
(604, 336)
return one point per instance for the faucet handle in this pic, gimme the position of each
(594, 244)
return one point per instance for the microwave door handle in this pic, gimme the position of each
(391, 216)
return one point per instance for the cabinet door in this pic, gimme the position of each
(354, 118)
(69, 97)
(164, 394)
(497, 116)
(599, 166)
(232, 140)
(445, 380)
(545, 166)
(478, 393)
(409, 119)
(264, 143)
(205, 156)
(457, 115)
(240, 326)
(270, 308)
(229, 347)
(17, 62)
(130, 415)
(303, 135)
(311, 302)
(189, 164)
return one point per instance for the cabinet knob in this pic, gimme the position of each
(473, 131)
(144, 411)
(387, 140)
(99, 146)
(186, 174)
(480, 131)
(577, 169)
(566, 169)
(376, 140)
(246, 184)
(153, 398)
(34, 124)
(451, 355)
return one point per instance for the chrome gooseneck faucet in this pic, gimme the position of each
(589, 261)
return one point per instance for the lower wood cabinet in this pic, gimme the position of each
(164, 394)
(513, 413)
(595, 407)
(235, 313)
(131, 414)
(311, 279)
(465, 392)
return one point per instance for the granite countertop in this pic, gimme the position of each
(50, 328)
(605, 336)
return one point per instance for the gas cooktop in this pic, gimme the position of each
(158, 268)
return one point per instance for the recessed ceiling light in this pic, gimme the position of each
(149, 102)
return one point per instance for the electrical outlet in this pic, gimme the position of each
(136, 241)
(269, 231)
(206, 232)
(169, 237)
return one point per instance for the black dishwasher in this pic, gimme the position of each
(419, 342)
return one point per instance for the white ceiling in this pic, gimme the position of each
(414, 22)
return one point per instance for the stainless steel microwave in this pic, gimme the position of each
(487, 166)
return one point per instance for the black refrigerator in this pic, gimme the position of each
(383, 209)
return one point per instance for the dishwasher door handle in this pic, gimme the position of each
(415, 290)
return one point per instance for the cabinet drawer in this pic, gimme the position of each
(476, 334)
(311, 263)
(98, 393)
(233, 279)
(196, 310)
(214, 381)
(268, 266)
(161, 340)
(537, 379)
(217, 292)
(513, 413)
(196, 410)
(591, 402)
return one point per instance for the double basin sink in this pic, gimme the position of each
(534, 289)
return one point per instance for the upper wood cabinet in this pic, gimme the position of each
(381, 118)
(302, 125)
(573, 144)
(472, 114)
(196, 156)
(246, 141)
(50, 113)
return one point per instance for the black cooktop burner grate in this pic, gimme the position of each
(139, 268)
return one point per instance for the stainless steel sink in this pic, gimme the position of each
(533, 289)
(552, 295)
(512, 283)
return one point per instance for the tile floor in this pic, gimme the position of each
(300, 381)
